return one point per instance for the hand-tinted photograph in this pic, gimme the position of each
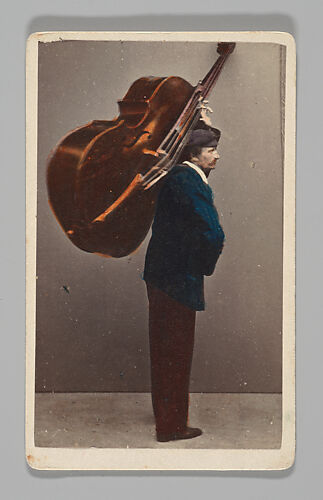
(160, 249)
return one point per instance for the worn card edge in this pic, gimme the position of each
(161, 459)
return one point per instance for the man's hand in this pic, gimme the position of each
(204, 113)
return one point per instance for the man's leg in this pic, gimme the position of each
(171, 336)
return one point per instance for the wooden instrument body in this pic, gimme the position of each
(92, 167)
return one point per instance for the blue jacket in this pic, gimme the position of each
(187, 238)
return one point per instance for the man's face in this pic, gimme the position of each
(206, 160)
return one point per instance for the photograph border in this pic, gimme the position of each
(165, 459)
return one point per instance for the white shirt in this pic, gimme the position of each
(198, 170)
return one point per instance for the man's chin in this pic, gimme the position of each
(209, 169)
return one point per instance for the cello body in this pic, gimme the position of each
(99, 165)
(103, 178)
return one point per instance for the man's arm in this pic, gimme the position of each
(205, 237)
(208, 236)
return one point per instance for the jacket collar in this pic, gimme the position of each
(197, 169)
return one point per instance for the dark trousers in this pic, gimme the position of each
(171, 338)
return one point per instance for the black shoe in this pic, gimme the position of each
(188, 433)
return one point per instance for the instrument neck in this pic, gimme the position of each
(210, 79)
(192, 110)
(172, 146)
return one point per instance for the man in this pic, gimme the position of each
(187, 240)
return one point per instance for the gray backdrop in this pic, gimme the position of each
(94, 338)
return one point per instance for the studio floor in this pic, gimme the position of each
(125, 420)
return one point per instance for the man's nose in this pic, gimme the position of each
(216, 154)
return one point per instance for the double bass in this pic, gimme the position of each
(103, 178)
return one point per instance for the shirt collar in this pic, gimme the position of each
(197, 169)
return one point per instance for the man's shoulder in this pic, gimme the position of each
(184, 174)
(182, 169)
(184, 178)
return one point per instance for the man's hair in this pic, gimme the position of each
(190, 151)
